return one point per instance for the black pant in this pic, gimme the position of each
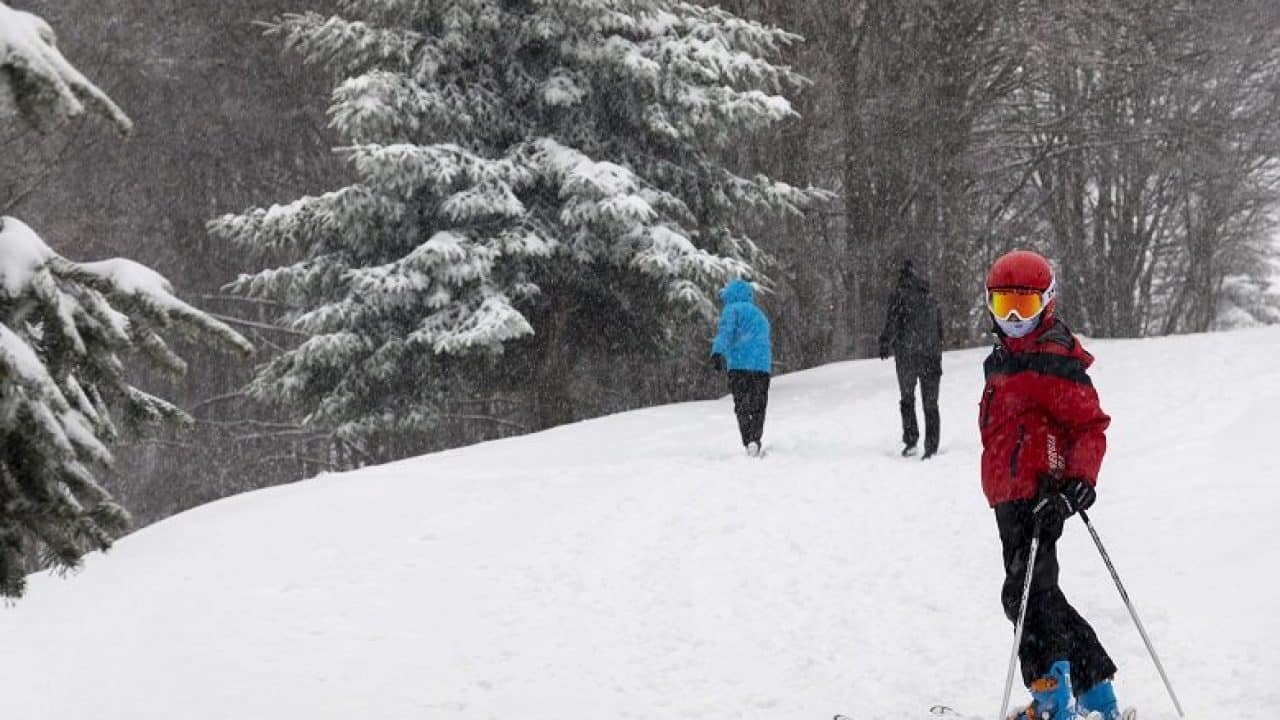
(750, 398)
(929, 375)
(1053, 630)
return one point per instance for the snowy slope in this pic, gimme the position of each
(637, 566)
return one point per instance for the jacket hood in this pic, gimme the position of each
(908, 279)
(738, 291)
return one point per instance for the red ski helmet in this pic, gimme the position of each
(1020, 270)
(1024, 271)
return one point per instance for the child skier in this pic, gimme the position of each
(742, 347)
(1043, 438)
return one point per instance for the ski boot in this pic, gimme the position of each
(1099, 703)
(753, 448)
(1050, 696)
(909, 449)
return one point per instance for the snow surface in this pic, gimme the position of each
(639, 566)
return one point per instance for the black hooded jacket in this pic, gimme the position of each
(913, 325)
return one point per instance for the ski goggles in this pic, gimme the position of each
(1022, 304)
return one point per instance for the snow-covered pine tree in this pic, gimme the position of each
(65, 331)
(536, 180)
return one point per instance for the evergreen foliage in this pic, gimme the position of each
(537, 180)
(36, 81)
(65, 330)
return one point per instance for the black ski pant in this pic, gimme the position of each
(750, 398)
(1053, 630)
(928, 373)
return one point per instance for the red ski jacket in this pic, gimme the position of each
(1039, 414)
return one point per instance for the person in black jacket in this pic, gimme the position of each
(913, 335)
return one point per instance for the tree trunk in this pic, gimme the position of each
(552, 404)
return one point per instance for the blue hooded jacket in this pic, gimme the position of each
(743, 337)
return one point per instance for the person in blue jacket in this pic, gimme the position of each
(743, 348)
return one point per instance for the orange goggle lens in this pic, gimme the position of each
(1025, 304)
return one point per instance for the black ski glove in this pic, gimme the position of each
(1051, 509)
(1079, 493)
(885, 350)
(1072, 496)
(717, 362)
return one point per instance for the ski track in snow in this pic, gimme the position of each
(640, 566)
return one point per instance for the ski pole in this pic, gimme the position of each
(1132, 613)
(1022, 616)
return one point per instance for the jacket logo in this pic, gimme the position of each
(1057, 463)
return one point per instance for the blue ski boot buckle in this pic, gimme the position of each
(1052, 693)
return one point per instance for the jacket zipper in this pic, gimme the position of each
(986, 410)
(1017, 450)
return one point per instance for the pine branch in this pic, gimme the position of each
(258, 325)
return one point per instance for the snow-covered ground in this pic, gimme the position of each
(638, 566)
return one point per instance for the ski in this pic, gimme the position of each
(948, 712)
(937, 710)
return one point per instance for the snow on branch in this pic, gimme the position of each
(37, 83)
(66, 329)
(138, 284)
(344, 44)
